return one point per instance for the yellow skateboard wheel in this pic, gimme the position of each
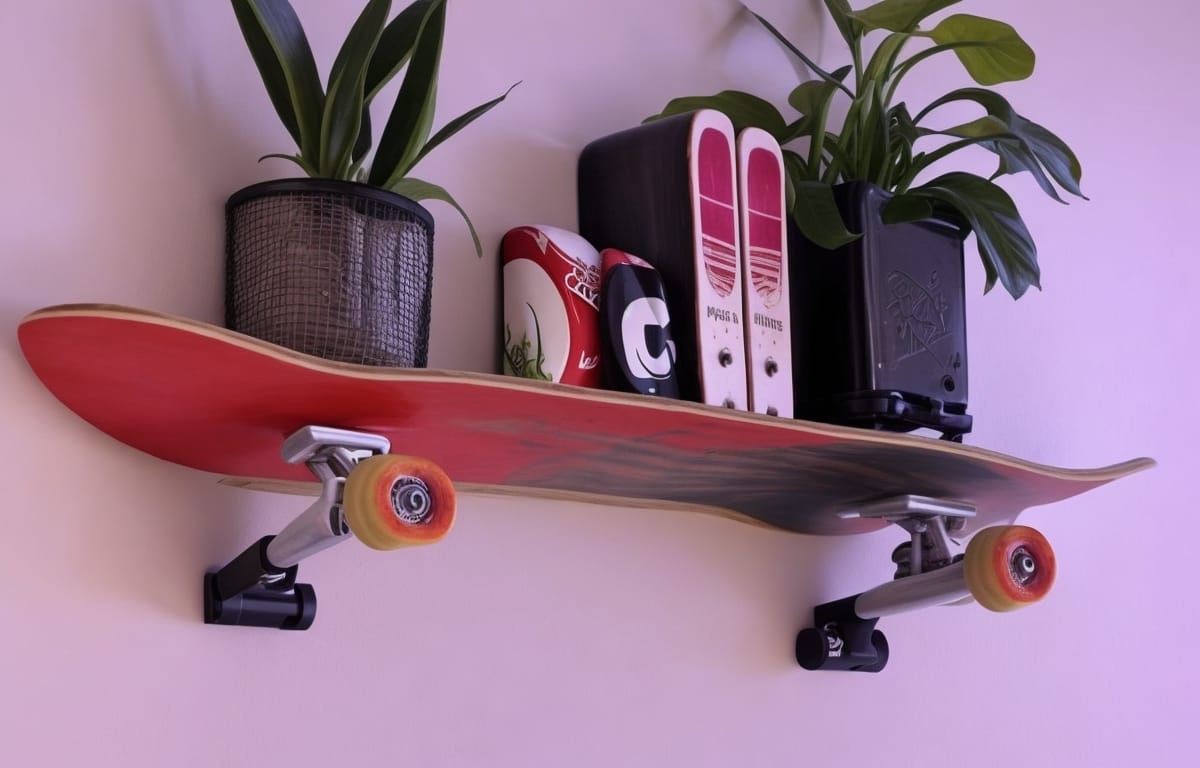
(1009, 567)
(395, 501)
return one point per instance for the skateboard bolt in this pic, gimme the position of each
(772, 366)
(725, 357)
(1023, 566)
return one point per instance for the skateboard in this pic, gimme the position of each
(264, 416)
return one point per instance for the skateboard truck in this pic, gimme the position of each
(1003, 568)
(258, 588)
(928, 573)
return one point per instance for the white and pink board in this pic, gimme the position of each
(764, 263)
(720, 329)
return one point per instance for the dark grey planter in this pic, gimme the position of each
(879, 325)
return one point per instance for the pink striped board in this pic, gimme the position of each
(766, 289)
(719, 321)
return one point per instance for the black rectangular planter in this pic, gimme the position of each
(879, 334)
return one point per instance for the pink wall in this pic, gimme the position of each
(548, 634)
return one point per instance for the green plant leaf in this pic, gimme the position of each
(801, 126)
(391, 54)
(903, 208)
(411, 119)
(812, 65)
(1005, 245)
(898, 15)
(902, 136)
(811, 96)
(849, 28)
(297, 159)
(743, 109)
(994, 135)
(281, 53)
(816, 214)
(795, 168)
(346, 97)
(396, 44)
(813, 99)
(460, 122)
(1034, 148)
(363, 145)
(991, 51)
(423, 190)
(1014, 158)
(884, 59)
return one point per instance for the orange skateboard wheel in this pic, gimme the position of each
(1009, 567)
(395, 501)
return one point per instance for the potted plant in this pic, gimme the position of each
(878, 321)
(339, 264)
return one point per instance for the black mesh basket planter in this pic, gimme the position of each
(334, 269)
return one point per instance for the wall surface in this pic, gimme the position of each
(550, 634)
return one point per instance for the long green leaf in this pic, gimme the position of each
(899, 15)
(346, 96)
(423, 190)
(743, 109)
(812, 65)
(902, 136)
(396, 44)
(801, 126)
(1005, 245)
(983, 132)
(991, 51)
(816, 214)
(1036, 146)
(411, 119)
(813, 99)
(297, 159)
(994, 135)
(1015, 158)
(838, 158)
(460, 122)
(363, 145)
(811, 96)
(285, 62)
(903, 208)
(884, 59)
(393, 52)
(849, 28)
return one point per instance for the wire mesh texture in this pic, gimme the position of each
(337, 270)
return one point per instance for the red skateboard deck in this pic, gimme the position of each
(207, 398)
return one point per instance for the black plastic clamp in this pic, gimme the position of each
(251, 592)
(842, 640)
